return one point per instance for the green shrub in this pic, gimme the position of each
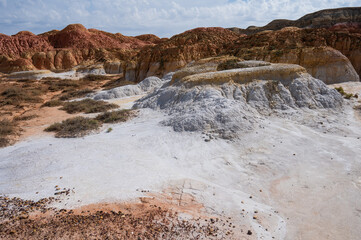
(340, 90)
(74, 127)
(87, 106)
(344, 94)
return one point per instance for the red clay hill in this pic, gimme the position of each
(333, 32)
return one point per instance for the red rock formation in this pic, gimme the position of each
(20, 64)
(181, 49)
(77, 36)
(151, 38)
(22, 42)
(67, 48)
(272, 45)
(353, 27)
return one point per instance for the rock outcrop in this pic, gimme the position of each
(114, 67)
(181, 49)
(276, 72)
(78, 37)
(9, 65)
(323, 63)
(72, 46)
(328, 55)
(147, 85)
(15, 46)
(226, 102)
(310, 48)
(150, 38)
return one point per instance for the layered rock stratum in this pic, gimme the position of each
(326, 43)
(72, 46)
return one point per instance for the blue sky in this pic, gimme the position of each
(162, 17)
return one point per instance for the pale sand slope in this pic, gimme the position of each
(316, 192)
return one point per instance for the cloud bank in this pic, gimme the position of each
(162, 17)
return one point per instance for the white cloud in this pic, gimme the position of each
(161, 17)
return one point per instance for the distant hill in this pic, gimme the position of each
(321, 19)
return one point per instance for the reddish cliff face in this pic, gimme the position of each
(354, 27)
(151, 38)
(274, 45)
(67, 48)
(77, 36)
(22, 42)
(181, 49)
(333, 51)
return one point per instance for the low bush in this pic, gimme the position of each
(344, 94)
(25, 117)
(60, 85)
(115, 116)
(75, 94)
(93, 77)
(117, 83)
(16, 95)
(53, 103)
(87, 106)
(74, 127)
(7, 128)
(229, 64)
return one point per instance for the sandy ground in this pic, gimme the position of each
(283, 180)
(45, 117)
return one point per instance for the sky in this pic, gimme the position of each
(161, 17)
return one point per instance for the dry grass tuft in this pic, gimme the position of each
(74, 127)
(53, 103)
(87, 106)
(7, 128)
(229, 64)
(117, 83)
(25, 117)
(115, 116)
(15, 95)
(61, 84)
(93, 77)
(75, 94)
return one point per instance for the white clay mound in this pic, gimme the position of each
(147, 85)
(229, 101)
